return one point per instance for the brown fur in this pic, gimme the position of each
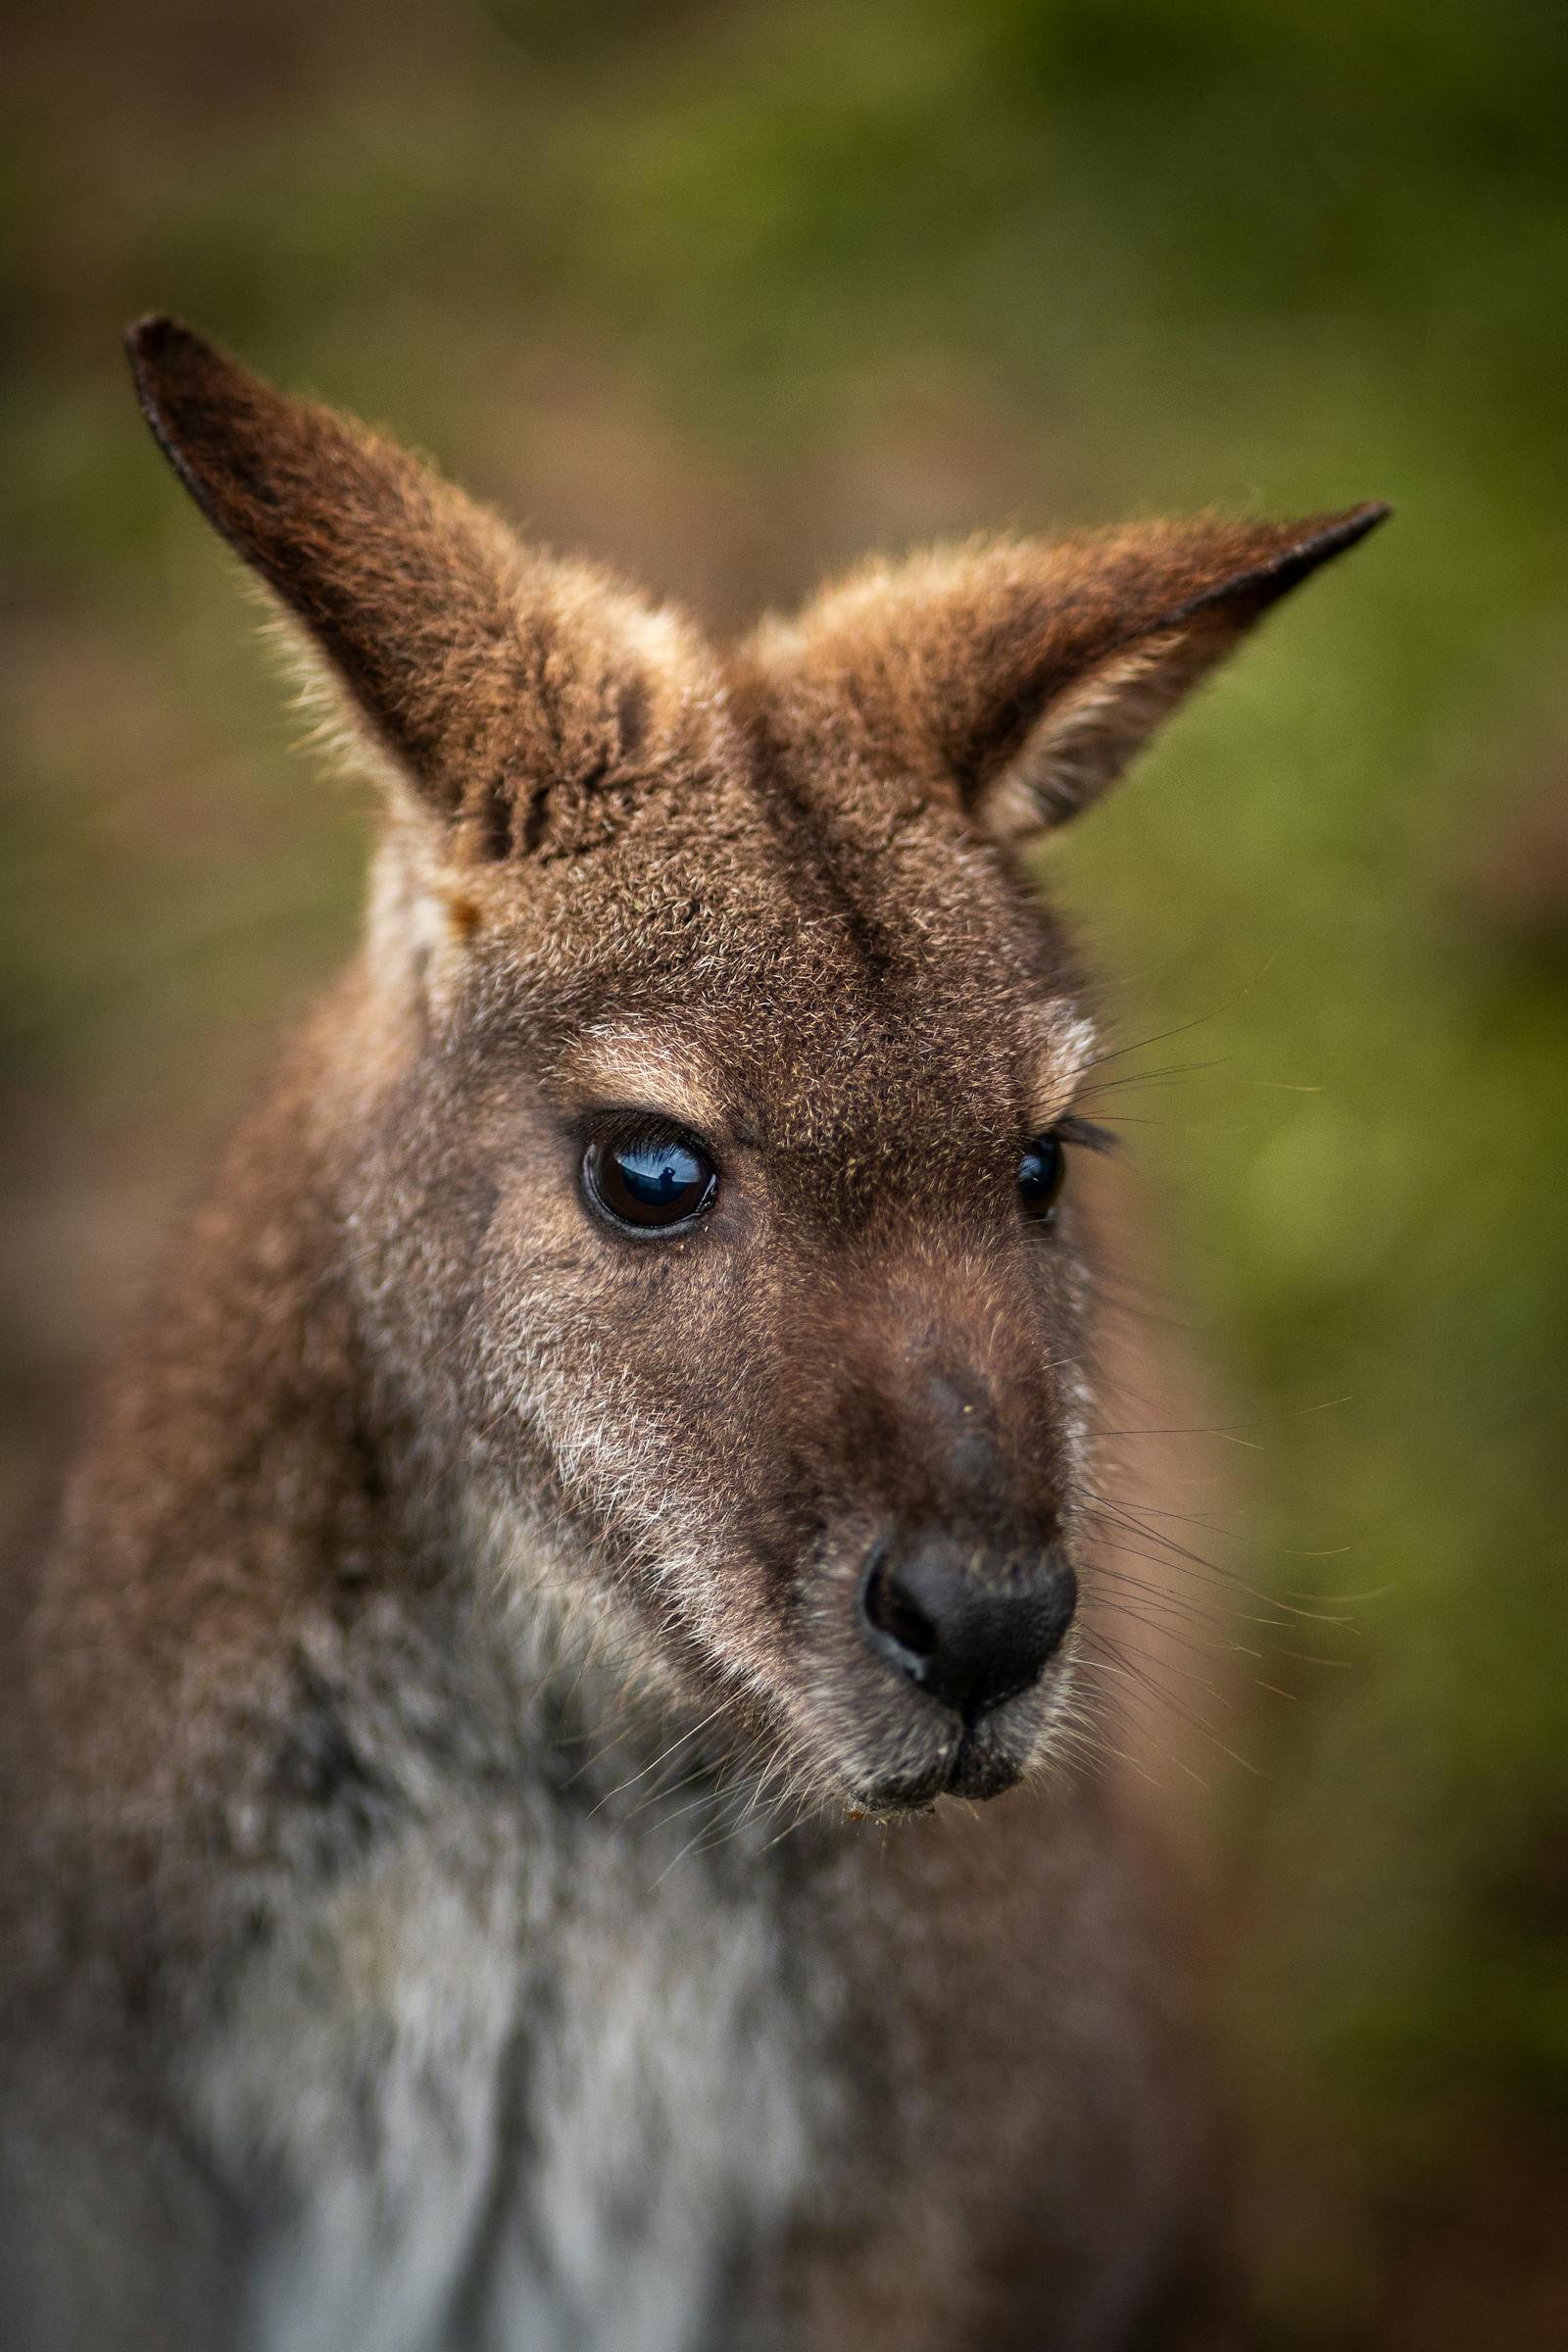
(438, 1555)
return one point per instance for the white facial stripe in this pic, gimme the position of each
(1068, 1043)
(647, 1069)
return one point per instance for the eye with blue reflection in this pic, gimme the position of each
(649, 1180)
(1042, 1173)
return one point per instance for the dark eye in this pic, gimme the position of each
(1041, 1173)
(651, 1181)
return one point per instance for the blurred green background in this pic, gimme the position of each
(726, 294)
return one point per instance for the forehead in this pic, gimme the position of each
(804, 964)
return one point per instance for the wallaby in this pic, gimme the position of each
(607, 1467)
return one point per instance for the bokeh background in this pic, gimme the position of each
(725, 294)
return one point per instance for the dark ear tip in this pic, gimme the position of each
(191, 395)
(158, 344)
(1343, 530)
(1326, 536)
(151, 332)
(1318, 543)
(1299, 550)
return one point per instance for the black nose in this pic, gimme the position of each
(971, 1629)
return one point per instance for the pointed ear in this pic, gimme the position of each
(1026, 676)
(509, 690)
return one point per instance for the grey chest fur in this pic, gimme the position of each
(526, 2083)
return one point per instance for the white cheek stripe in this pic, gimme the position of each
(1070, 1048)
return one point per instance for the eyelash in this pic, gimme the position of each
(1085, 1133)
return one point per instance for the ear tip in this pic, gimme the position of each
(152, 328)
(163, 349)
(1343, 530)
(157, 336)
(1298, 550)
(1317, 542)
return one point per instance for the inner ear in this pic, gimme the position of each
(1039, 772)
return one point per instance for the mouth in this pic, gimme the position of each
(983, 1768)
(978, 1764)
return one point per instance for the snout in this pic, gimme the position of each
(970, 1629)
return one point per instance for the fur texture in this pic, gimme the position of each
(472, 1881)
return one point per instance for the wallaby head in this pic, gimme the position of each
(705, 1106)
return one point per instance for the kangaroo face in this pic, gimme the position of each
(712, 1111)
(776, 1281)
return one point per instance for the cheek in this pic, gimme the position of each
(1064, 1342)
(632, 1359)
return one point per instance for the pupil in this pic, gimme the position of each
(656, 1175)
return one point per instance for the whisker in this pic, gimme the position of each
(1151, 1688)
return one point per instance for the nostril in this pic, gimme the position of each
(894, 1612)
